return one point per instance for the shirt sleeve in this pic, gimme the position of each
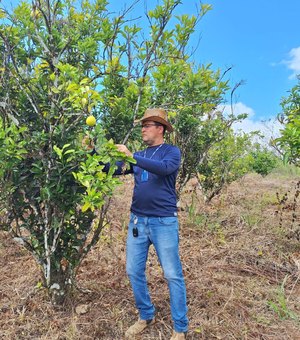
(164, 167)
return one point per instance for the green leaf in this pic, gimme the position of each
(58, 151)
(55, 90)
(69, 151)
(86, 206)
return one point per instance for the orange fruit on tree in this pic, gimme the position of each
(91, 121)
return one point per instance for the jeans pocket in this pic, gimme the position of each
(168, 220)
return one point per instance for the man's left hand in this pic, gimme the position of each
(123, 148)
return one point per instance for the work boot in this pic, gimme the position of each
(178, 336)
(138, 327)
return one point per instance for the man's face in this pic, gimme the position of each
(151, 133)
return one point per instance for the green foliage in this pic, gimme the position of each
(137, 68)
(225, 162)
(263, 160)
(289, 142)
(10, 138)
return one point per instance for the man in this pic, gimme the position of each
(153, 220)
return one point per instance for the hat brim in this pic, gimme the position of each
(157, 119)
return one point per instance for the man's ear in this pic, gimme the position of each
(161, 128)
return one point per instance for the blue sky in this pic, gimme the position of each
(259, 39)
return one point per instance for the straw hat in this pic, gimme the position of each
(156, 115)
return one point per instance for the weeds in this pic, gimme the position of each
(251, 220)
(280, 306)
(287, 205)
(286, 171)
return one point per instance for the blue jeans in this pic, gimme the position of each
(162, 232)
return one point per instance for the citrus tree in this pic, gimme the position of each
(54, 193)
(225, 162)
(193, 97)
(137, 74)
(289, 142)
(263, 160)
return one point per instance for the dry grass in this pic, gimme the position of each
(241, 264)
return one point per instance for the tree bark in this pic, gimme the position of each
(60, 284)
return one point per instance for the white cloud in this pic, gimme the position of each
(238, 108)
(293, 63)
(269, 129)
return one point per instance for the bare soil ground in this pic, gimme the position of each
(241, 259)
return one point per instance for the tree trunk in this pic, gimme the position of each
(59, 284)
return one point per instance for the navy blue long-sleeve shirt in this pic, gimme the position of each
(157, 195)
